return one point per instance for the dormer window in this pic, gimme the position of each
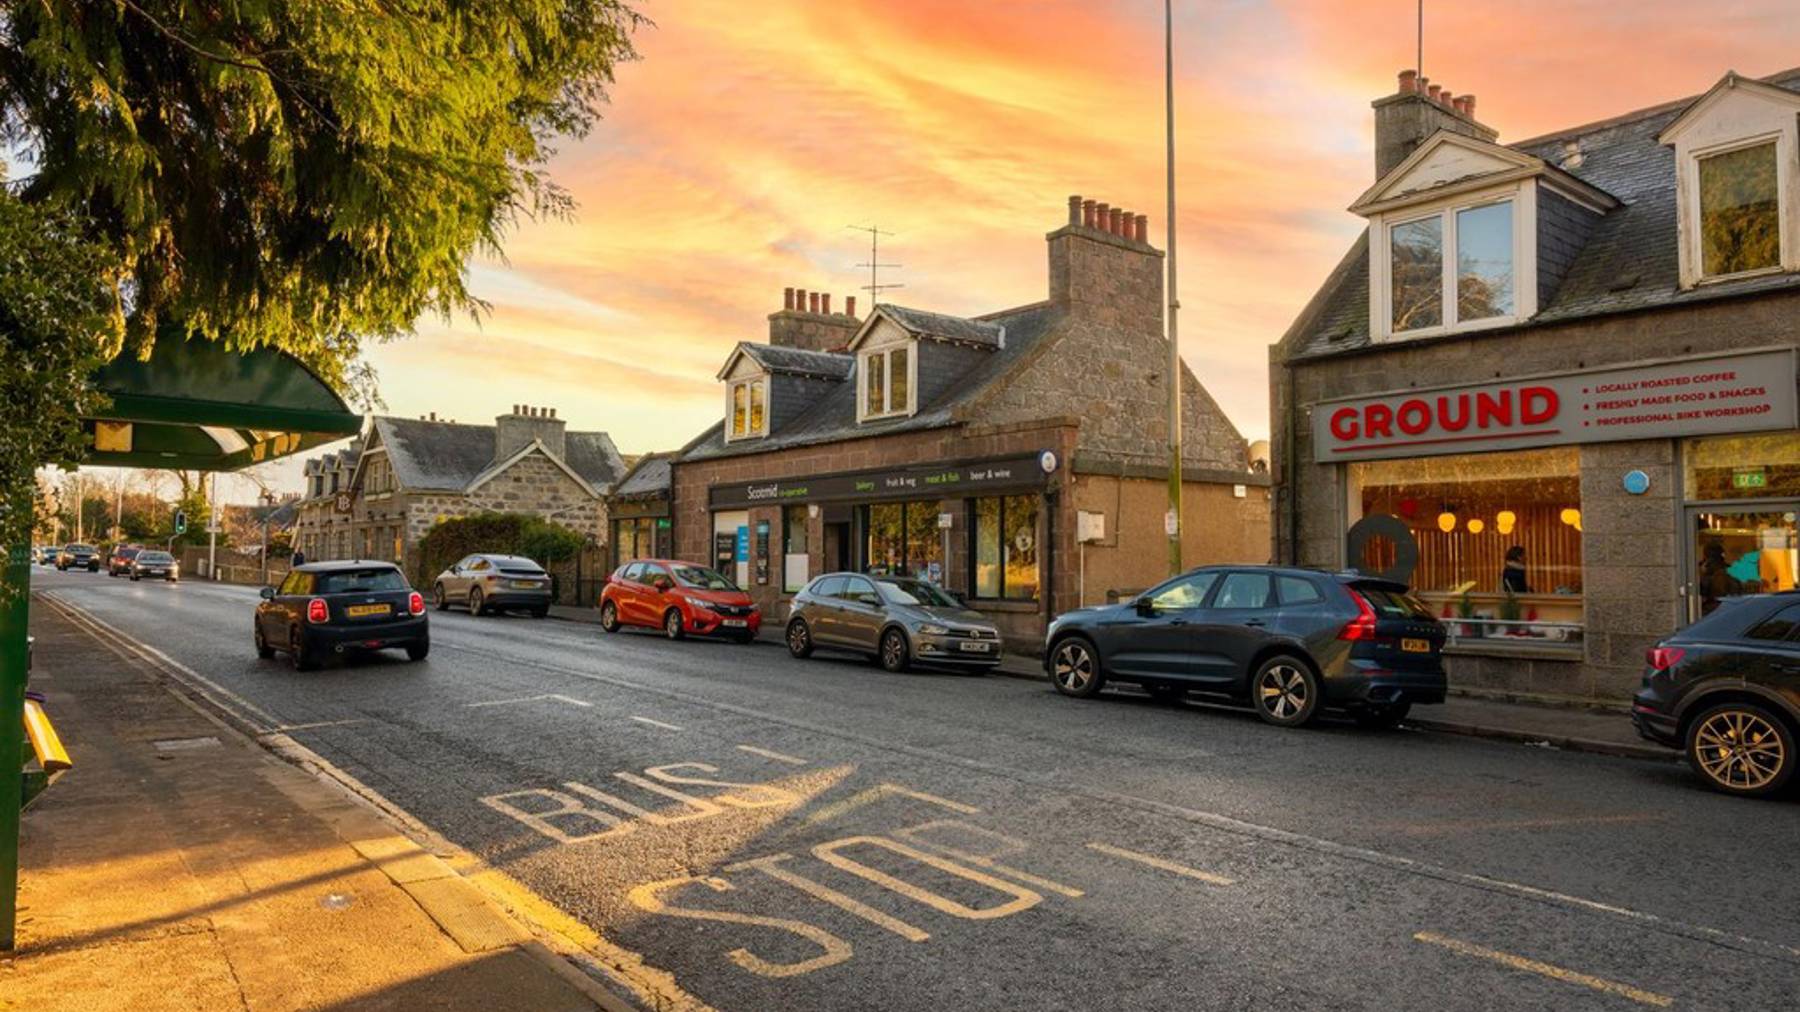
(1740, 210)
(1430, 291)
(749, 400)
(887, 382)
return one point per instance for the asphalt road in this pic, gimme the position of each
(821, 835)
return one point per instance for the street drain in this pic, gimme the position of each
(184, 744)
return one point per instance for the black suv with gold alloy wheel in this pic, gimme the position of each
(1289, 642)
(1727, 691)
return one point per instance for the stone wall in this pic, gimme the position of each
(1632, 554)
(1217, 526)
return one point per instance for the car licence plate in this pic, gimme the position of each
(360, 610)
(735, 623)
(526, 584)
(1416, 646)
(973, 648)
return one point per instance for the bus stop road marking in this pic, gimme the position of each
(1163, 863)
(1563, 974)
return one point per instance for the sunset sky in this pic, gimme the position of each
(736, 151)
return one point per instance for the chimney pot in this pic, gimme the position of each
(1087, 213)
(1102, 215)
(1143, 229)
(1112, 219)
(787, 298)
(849, 305)
(812, 302)
(1469, 105)
(1075, 209)
(825, 304)
(1409, 81)
(1433, 92)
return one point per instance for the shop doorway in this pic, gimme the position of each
(1738, 550)
(837, 547)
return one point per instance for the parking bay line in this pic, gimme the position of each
(1201, 817)
(1563, 974)
(777, 756)
(1166, 865)
(532, 699)
(655, 723)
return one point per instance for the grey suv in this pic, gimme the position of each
(896, 619)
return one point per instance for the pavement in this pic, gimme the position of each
(1576, 727)
(182, 866)
(704, 825)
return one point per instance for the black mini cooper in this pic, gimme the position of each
(325, 608)
(1727, 690)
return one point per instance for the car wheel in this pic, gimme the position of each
(799, 638)
(418, 651)
(1742, 749)
(672, 627)
(1075, 668)
(609, 617)
(263, 650)
(1285, 691)
(895, 655)
(1385, 716)
(297, 652)
(476, 605)
(438, 598)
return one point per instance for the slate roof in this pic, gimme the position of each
(833, 416)
(1630, 261)
(650, 478)
(447, 456)
(798, 361)
(985, 331)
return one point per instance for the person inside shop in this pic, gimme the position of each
(1715, 580)
(1512, 575)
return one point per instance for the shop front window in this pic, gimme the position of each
(1752, 547)
(1498, 539)
(1006, 556)
(1762, 466)
(904, 540)
(795, 559)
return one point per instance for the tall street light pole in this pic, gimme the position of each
(1172, 523)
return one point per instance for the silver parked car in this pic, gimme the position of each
(897, 619)
(487, 582)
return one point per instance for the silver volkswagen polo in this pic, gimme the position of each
(897, 619)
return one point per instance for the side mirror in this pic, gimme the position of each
(268, 593)
(1144, 606)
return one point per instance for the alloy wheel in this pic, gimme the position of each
(1072, 668)
(1281, 691)
(799, 641)
(1739, 750)
(475, 606)
(672, 624)
(609, 617)
(893, 650)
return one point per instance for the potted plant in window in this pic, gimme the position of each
(1465, 610)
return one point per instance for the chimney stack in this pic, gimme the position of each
(1118, 281)
(797, 324)
(516, 431)
(1416, 110)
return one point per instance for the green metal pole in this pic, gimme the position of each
(14, 614)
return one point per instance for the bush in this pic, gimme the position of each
(538, 539)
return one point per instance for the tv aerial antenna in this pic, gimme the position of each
(875, 286)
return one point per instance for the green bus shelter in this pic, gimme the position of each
(191, 405)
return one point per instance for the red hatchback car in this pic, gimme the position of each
(679, 598)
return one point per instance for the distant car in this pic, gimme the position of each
(151, 563)
(119, 559)
(1727, 691)
(897, 620)
(78, 556)
(326, 608)
(680, 598)
(46, 555)
(488, 582)
(1288, 642)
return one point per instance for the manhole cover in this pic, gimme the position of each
(185, 744)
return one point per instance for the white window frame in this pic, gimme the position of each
(1693, 254)
(865, 360)
(1522, 194)
(749, 383)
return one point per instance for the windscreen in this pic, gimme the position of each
(916, 592)
(155, 557)
(1394, 603)
(702, 578)
(356, 581)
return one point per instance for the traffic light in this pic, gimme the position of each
(180, 522)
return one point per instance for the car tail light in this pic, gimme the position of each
(415, 603)
(316, 610)
(1664, 658)
(1362, 627)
